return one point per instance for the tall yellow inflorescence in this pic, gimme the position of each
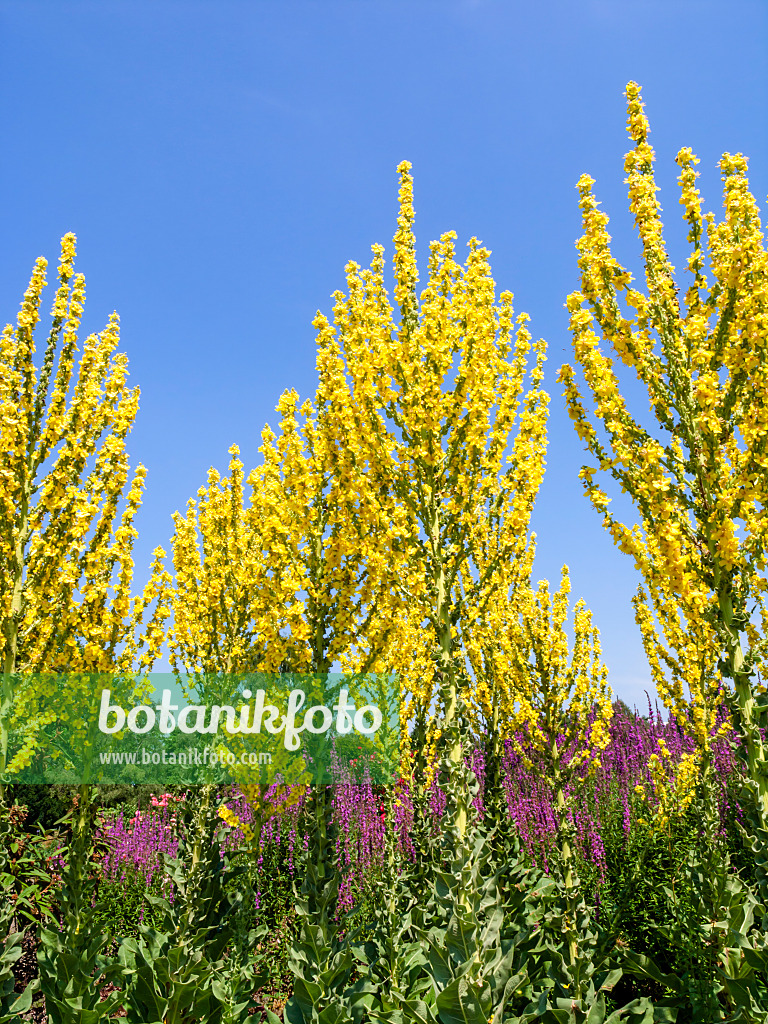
(672, 791)
(452, 444)
(65, 544)
(226, 606)
(561, 690)
(562, 708)
(286, 579)
(386, 515)
(699, 476)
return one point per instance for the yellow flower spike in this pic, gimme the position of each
(673, 788)
(296, 574)
(65, 602)
(555, 688)
(705, 368)
(453, 444)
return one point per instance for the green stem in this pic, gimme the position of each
(6, 703)
(197, 849)
(446, 664)
(566, 861)
(755, 749)
(10, 628)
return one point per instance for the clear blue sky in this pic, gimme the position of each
(220, 161)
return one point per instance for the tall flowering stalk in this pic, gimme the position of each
(703, 360)
(564, 703)
(492, 643)
(66, 565)
(288, 577)
(217, 596)
(434, 396)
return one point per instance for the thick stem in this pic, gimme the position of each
(495, 797)
(389, 839)
(197, 849)
(321, 809)
(446, 664)
(755, 749)
(566, 861)
(495, 743)
(714, 860)
(6, 703)
(11, 635)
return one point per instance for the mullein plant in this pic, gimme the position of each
(564, 704)
(434, 396)
(73, 960)
(374, 530)
(442, 379)
(490, 692)
(726, 958)
(289, 580)
(195, 965)
(65, 546)
(563, 707)
(66, 556)
(289, 577)
(449, 379)
(700, 545)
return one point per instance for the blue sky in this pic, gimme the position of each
(221, 161)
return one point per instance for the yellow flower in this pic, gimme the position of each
(704, 366)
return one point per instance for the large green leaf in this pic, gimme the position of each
(462, 1002)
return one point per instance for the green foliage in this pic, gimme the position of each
(469, 932)
(71, 955)
(464, 968)
(644, 880)
(697, 923)
(321, 959)
(177, 973)
(275, 920)
(267, 910)
(46, 805)
(12, 1005)
(25, 870)
(123, 904)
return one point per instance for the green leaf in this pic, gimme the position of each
(757, 960)
(644, 967)
(460, 940)
(612, 978)
(415, 1011)
(292, 1014)
(440, 966)
(334, 1015)
(461, 1002)
(596, 1013)
(493, 929)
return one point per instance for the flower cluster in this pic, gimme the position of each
(136, 845)
(701, 540)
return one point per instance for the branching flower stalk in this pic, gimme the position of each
(564, 705)
(434, 397)
(66, 566)
(288, 580)
(703, 360)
